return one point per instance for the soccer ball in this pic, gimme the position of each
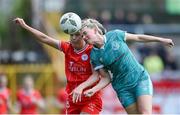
(70, 23)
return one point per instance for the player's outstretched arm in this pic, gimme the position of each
(38, 35)
(77, 92)
(105, 80)
(148, 38)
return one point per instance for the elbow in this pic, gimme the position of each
(44, 39)
(139, 37)
(98, 77)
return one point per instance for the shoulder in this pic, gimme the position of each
(64, 46)
(64, 43)
(36, 91)
(117, 33)
(94, 53)
(94, 50)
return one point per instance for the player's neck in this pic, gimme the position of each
(80, 45)
(28, 90)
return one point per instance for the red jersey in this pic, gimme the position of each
(4, 96)
(77, 66)
(26, 101)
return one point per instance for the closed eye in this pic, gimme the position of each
(84, 33)
(76, 34)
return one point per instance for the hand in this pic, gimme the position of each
(76, 94)
(168, 42)
(20, 21)
(89, 93)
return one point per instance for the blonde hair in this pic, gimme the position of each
(91, 23)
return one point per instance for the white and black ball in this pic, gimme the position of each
(70, 23)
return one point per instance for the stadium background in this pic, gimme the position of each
(21, 55)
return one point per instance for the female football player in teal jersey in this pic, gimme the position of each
(111, 54)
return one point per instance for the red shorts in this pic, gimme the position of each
(92, 106)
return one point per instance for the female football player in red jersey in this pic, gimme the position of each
(77, 69)
(29, 100)
(5, 103)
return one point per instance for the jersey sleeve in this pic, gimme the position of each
(121, 35)
(63, 46)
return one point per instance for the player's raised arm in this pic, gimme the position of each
(38, 35)
(148, 38)
(105, 80)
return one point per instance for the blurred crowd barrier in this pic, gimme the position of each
(45, 82)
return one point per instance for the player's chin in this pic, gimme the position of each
(89, 42)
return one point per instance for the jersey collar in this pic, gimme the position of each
(81, 50)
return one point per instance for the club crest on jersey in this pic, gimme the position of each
(84, 57)
(115, 46)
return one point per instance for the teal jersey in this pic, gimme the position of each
(116, 57)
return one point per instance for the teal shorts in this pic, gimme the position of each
(128, 96)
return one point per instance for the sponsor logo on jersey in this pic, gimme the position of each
(74, 67)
